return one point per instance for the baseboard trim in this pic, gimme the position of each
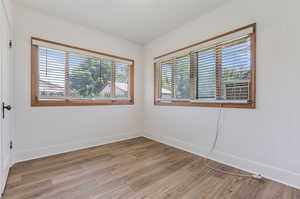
(6, 171)
(24, 155)
(273, 173)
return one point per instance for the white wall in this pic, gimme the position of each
(264, 140)
(7, 4)
(47, 130)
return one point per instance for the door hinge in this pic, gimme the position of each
(11, 144)
(10, 43)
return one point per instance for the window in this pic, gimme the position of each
(217, 72)
(64, 75)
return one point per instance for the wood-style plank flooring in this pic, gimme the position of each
(134, 169)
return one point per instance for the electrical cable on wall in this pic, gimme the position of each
(214, 144)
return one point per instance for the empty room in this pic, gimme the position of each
(149, 99)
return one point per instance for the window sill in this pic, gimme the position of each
(36, 103)
(201, 104)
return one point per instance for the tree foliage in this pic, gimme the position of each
(236, 74)
(90, 77)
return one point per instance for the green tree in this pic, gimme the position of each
(235, 74)
(90, 77)
(122, 72)
(182, 79)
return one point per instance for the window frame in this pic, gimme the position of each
(193, 76)
(35, 101)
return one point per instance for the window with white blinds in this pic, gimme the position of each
(166, 80)
(51, 73)
(224, 72)
(206, 74)
(64, 75)
(122, 80)
(217, 72)
(182, 77)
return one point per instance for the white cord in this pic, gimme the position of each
(214, 144)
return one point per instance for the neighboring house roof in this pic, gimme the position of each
(48, 86)
(121, 88)
(165, 91)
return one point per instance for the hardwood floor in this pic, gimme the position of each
(135, 169)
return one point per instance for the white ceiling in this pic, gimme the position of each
(139, 21)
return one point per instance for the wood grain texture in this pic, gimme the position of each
(134, 169)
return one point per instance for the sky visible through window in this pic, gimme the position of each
(52, 66)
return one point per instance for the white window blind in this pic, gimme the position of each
(236, 70)
(182, 77)
(51, 73)
(224, 72)
(175, 77)
(218, 71)
(166, 80)
(122, 80)
(69, 74)
(206, 75)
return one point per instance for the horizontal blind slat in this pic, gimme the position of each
(166, 81)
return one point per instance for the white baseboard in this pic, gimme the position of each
(277, 174)
(23, 155)
(5, 176)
